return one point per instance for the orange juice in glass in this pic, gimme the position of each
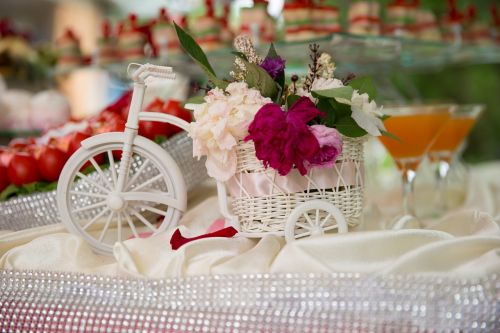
(449, 141)
(416, 128)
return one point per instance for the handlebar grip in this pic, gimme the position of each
(159, 69)
(140, 72)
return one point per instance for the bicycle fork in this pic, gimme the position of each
(131, 130)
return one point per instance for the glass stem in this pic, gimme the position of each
(441, 173)
(408, 192)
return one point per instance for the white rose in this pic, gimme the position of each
(366, 114)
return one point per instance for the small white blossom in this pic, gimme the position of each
(327, 68)
(324, 84)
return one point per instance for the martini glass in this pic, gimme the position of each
(444, 149)
(416, 127)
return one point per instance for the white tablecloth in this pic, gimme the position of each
(465, 242)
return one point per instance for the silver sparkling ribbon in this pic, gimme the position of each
(40, 209)
(38, 301)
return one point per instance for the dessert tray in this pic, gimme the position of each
(335, 302)
(39, 209)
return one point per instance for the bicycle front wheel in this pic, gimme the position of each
(91, 205)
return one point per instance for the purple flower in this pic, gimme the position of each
(273, 66)
(330, 145)
(283, 140)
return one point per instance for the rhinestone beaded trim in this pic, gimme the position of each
(37, 301)
(40, 209)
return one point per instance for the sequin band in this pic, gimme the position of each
(36, 301)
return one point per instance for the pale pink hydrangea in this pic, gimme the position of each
(220, 123)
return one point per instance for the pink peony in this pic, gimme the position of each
(330, 145)
(283, 140)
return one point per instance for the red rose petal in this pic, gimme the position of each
(178, 240)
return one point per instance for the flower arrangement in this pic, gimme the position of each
(299, 124)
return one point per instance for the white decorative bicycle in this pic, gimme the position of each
(105, 197)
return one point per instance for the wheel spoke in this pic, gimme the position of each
(154, 197)
(325, 220)
(88, 194)
(82, 176)
(112, 166)
(153, 210)
(101, 174)
(311, 223)
(96, 205)
(303, 226)
(119, 227)
(137, 174)
(131, 225)
(148, 182)
(316, 221)
(143, 220)
(95, 218)
(304, 234)
(106, 226)
(331, 227)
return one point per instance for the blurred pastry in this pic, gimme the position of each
(326, 19)
(298, 20)
(256, 22)
(164, 35)
(131, 41)
(207, 29)
(49, 109)
(364, 17)
(69, 52)
(106, 45)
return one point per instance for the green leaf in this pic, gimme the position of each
(384, 117)
(390, 135)
(348, 127)
(194, 100)
(342, 93)
(341, 109)
(9, 191)
(159, 139)
(35, 187)
(278, 95)
(240, 55)
(256, 77)
(325, 106)
(194, 50)
(272, 52)
(291, 99)
(364, 85)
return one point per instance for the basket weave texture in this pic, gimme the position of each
(266, 209)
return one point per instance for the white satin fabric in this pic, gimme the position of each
(466, 242)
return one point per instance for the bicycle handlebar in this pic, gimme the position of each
(140, 72)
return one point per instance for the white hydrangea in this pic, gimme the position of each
(220, 123)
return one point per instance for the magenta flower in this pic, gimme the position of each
(273, 66)
(330, 146)
(283, 140)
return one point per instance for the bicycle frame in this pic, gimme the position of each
(136, 114)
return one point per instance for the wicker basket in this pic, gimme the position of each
(262, 199)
